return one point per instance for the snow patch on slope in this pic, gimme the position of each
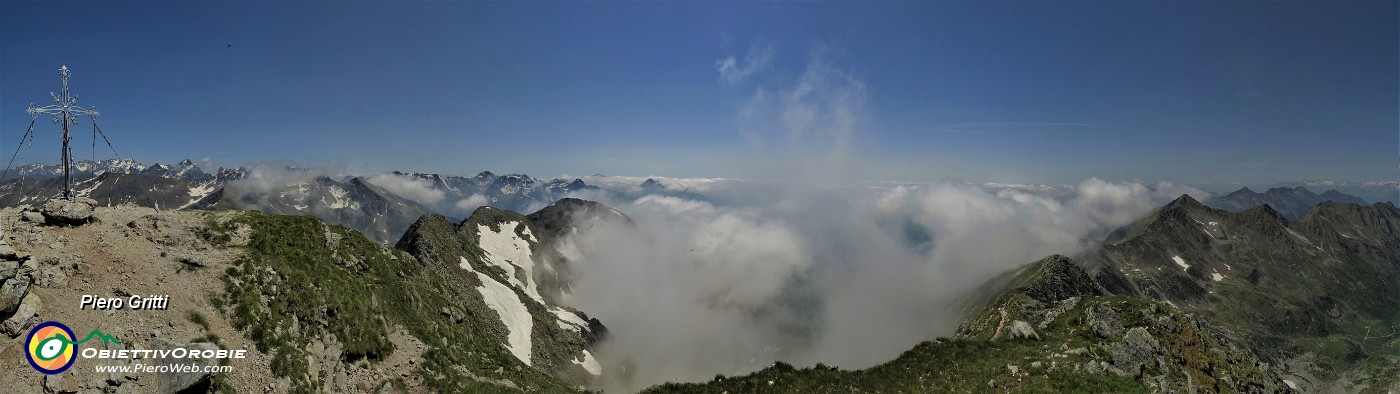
(340, 199)
(514, 315)
(589, 363)
(1181, 262)
(512, 253)
(569, 320)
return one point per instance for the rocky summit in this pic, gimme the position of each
(75, 211)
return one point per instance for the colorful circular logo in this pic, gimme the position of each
(50, 348)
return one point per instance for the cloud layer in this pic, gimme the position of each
(848, 275)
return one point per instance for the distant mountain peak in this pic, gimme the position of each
(1185, 201)
(1244, 191)
(652, 185)
(1292, 202)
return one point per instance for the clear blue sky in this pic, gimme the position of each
(1048, 92)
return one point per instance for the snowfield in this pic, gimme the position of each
(512, 253)
(514, 315)
(569, 320)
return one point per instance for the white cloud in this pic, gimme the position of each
(733, 70)
(841, 274)
(471, 203)
(419, 190)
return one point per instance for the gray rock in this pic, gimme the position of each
(1165, 323)
(51, 277)
(12, 292)
(452, 313)
(25, 317)
(1138, 350)
(1104, 321)
(7, 252)
(29, 267)
(174, 382)
(8, 269)
(60, 383)
(70, 213)
(1020, 329)
(33, 217)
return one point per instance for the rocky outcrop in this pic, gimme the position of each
(26, 315)
(1021, 330)
(1059, 278)
(1103, 321)
(18, 307)
(1038, 292)
(75, 212)
(12, 292)
(1138, 350)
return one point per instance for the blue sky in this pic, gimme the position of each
(1046, 92)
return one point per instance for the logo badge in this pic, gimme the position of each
(50, 347)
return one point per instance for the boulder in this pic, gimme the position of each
(12, 292)
(33, 217)
(8, 269)
(1020, 329)
(9, 253)
(25, 317)
(68, 212)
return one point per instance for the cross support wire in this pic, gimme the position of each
(65, 111)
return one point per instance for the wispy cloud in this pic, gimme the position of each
(817, 115)
(734, 70)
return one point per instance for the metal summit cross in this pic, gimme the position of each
(65, 111)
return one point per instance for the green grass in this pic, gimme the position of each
(198, 319)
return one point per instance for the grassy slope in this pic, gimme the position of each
(305, 279)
